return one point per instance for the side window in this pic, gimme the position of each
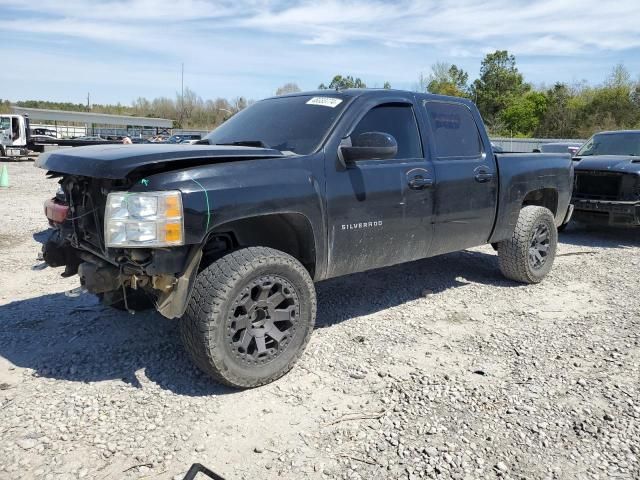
(397, 120)
(454, 129)
(15, 128)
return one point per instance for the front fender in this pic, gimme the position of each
(218, 194)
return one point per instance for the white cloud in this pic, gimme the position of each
(250, 46)
(125, 10)
(466, 25)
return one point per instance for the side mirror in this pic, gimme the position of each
(370, 146)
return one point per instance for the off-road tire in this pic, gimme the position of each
(207, 325)
(513, 254)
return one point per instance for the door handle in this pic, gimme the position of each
(483, 176)
(418, 182)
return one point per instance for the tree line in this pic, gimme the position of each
(509, 105)
(188, 110)
(512, 107)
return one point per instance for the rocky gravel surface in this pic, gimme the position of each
(435, 369)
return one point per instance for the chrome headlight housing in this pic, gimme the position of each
(144, 219)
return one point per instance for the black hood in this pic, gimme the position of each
(610, 163)
(118, 161)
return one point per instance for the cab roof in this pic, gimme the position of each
(374, 92)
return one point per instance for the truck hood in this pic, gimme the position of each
(610, 163)
(118, 161)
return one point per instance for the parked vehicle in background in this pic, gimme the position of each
(183, 137)
(607, 185)
(90, 138)
(43, 138)
(16, 139)
(231, 234)
(14, 136)
(44, 132)
(559, 147)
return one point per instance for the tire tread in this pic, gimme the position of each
(199, 326)
(513, 253)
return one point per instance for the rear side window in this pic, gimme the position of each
(454, 129)
(397, 120)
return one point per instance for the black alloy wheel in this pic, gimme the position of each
(263, 319)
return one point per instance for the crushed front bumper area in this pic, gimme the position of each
(607, 212)
(166, 275)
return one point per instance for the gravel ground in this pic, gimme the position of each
(435, 369)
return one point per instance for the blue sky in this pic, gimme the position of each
(120, 50)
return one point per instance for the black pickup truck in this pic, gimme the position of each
(230, 234)
(607, 185)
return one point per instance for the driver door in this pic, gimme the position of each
(380, 211)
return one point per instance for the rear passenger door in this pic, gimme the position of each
(466, 175)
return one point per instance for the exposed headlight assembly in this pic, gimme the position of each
(149, 219)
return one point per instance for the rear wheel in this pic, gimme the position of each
(250, 316)
(528, 255)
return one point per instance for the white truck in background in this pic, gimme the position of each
(14, 136)
(17, 138)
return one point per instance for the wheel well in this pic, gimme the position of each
(288, 232)
(545, 197)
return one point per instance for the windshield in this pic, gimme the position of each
(295, 124)
(623, 143)
(5, 123)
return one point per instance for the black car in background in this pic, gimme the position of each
(607, 179)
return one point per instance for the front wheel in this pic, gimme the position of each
(528, 255)
(250, 316)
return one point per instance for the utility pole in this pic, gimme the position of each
(182, 94)
(88, 110)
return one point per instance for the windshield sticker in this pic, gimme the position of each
(325, 101)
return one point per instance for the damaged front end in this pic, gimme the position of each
(126, 247)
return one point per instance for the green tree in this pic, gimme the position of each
(386, 85)
(614, 99)
(340, 83)
(5, 106)
(499, 83)
(523, 115)
(558, 118)
(446, 79)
